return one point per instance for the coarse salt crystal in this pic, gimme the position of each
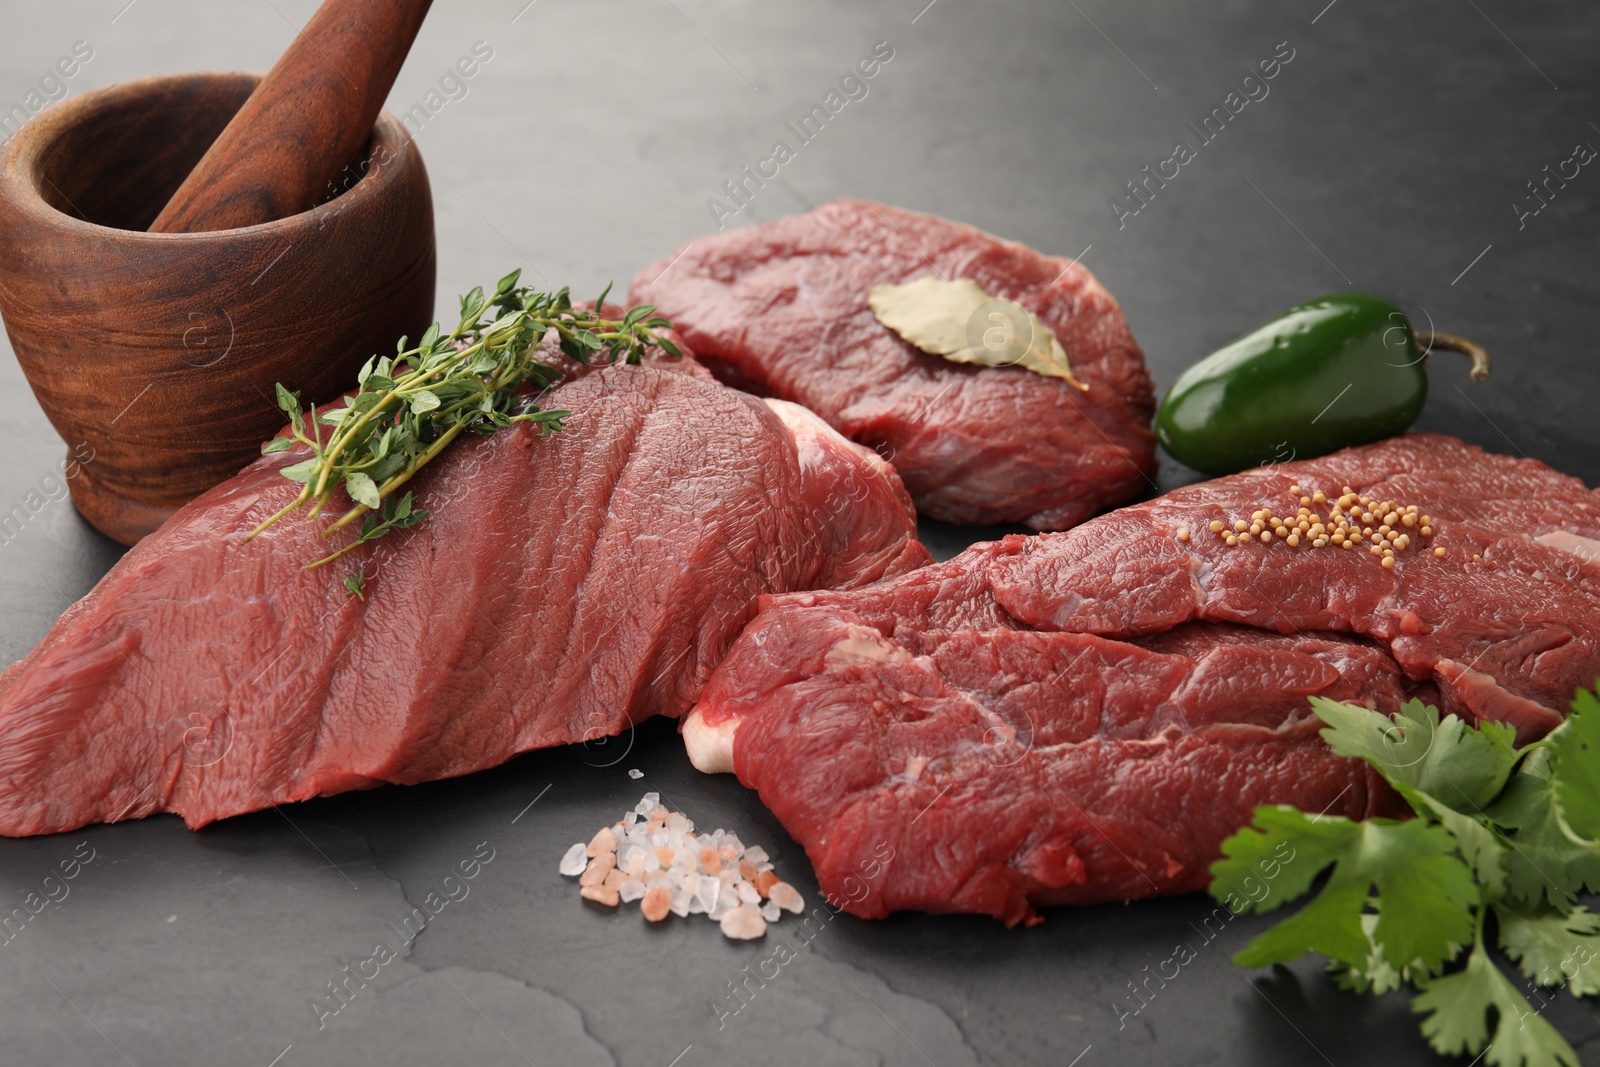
(598, 868)
(743, 924)
(786, 897)
(635, 773)
(575, 860)
(747, 893)
(707, 891)
(655, 904)
(771, 912)
(630, 890)
(603, 841)
(756, 854)
(600, 894)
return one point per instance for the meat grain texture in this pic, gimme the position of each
(1085, 716)
(781, 309)
(563, 587)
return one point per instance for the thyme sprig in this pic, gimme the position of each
(410, 406)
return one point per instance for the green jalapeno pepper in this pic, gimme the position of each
(1341, 370)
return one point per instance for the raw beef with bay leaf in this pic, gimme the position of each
(781, 308)
(563, 587)
(1086, 716)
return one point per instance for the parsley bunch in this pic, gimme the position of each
(1504, 838)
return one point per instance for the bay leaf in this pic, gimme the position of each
(959, 321)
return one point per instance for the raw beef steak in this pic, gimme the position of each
(563, 587)
(781, 309)
(1085, 716)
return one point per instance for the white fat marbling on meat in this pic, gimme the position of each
(1585, 548)
(810, 431)
(710, 746)
(862, 645)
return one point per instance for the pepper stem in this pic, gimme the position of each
(1431, 339)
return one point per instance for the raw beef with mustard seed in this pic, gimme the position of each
(1086, 716)
(781, 308)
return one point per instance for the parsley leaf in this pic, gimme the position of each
(1576, 744)
(1463, 766)
(1484, 849)
(1426, 892)
(1552, 948)
(1457, 1008)
(1545, 862)
(1376, 976)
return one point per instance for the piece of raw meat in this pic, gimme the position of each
(781, 308)
(563, 587)
(1085, 716)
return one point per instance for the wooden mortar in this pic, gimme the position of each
(157, 353)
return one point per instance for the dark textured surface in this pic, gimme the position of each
(1396, 141)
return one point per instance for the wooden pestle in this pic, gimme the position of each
(304, 125)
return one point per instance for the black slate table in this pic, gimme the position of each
(1392, 152)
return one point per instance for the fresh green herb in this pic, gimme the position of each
(1504, 836)
(411, 405)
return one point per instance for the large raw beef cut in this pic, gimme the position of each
(563, 587)
(781, 309)
(1085, 716)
